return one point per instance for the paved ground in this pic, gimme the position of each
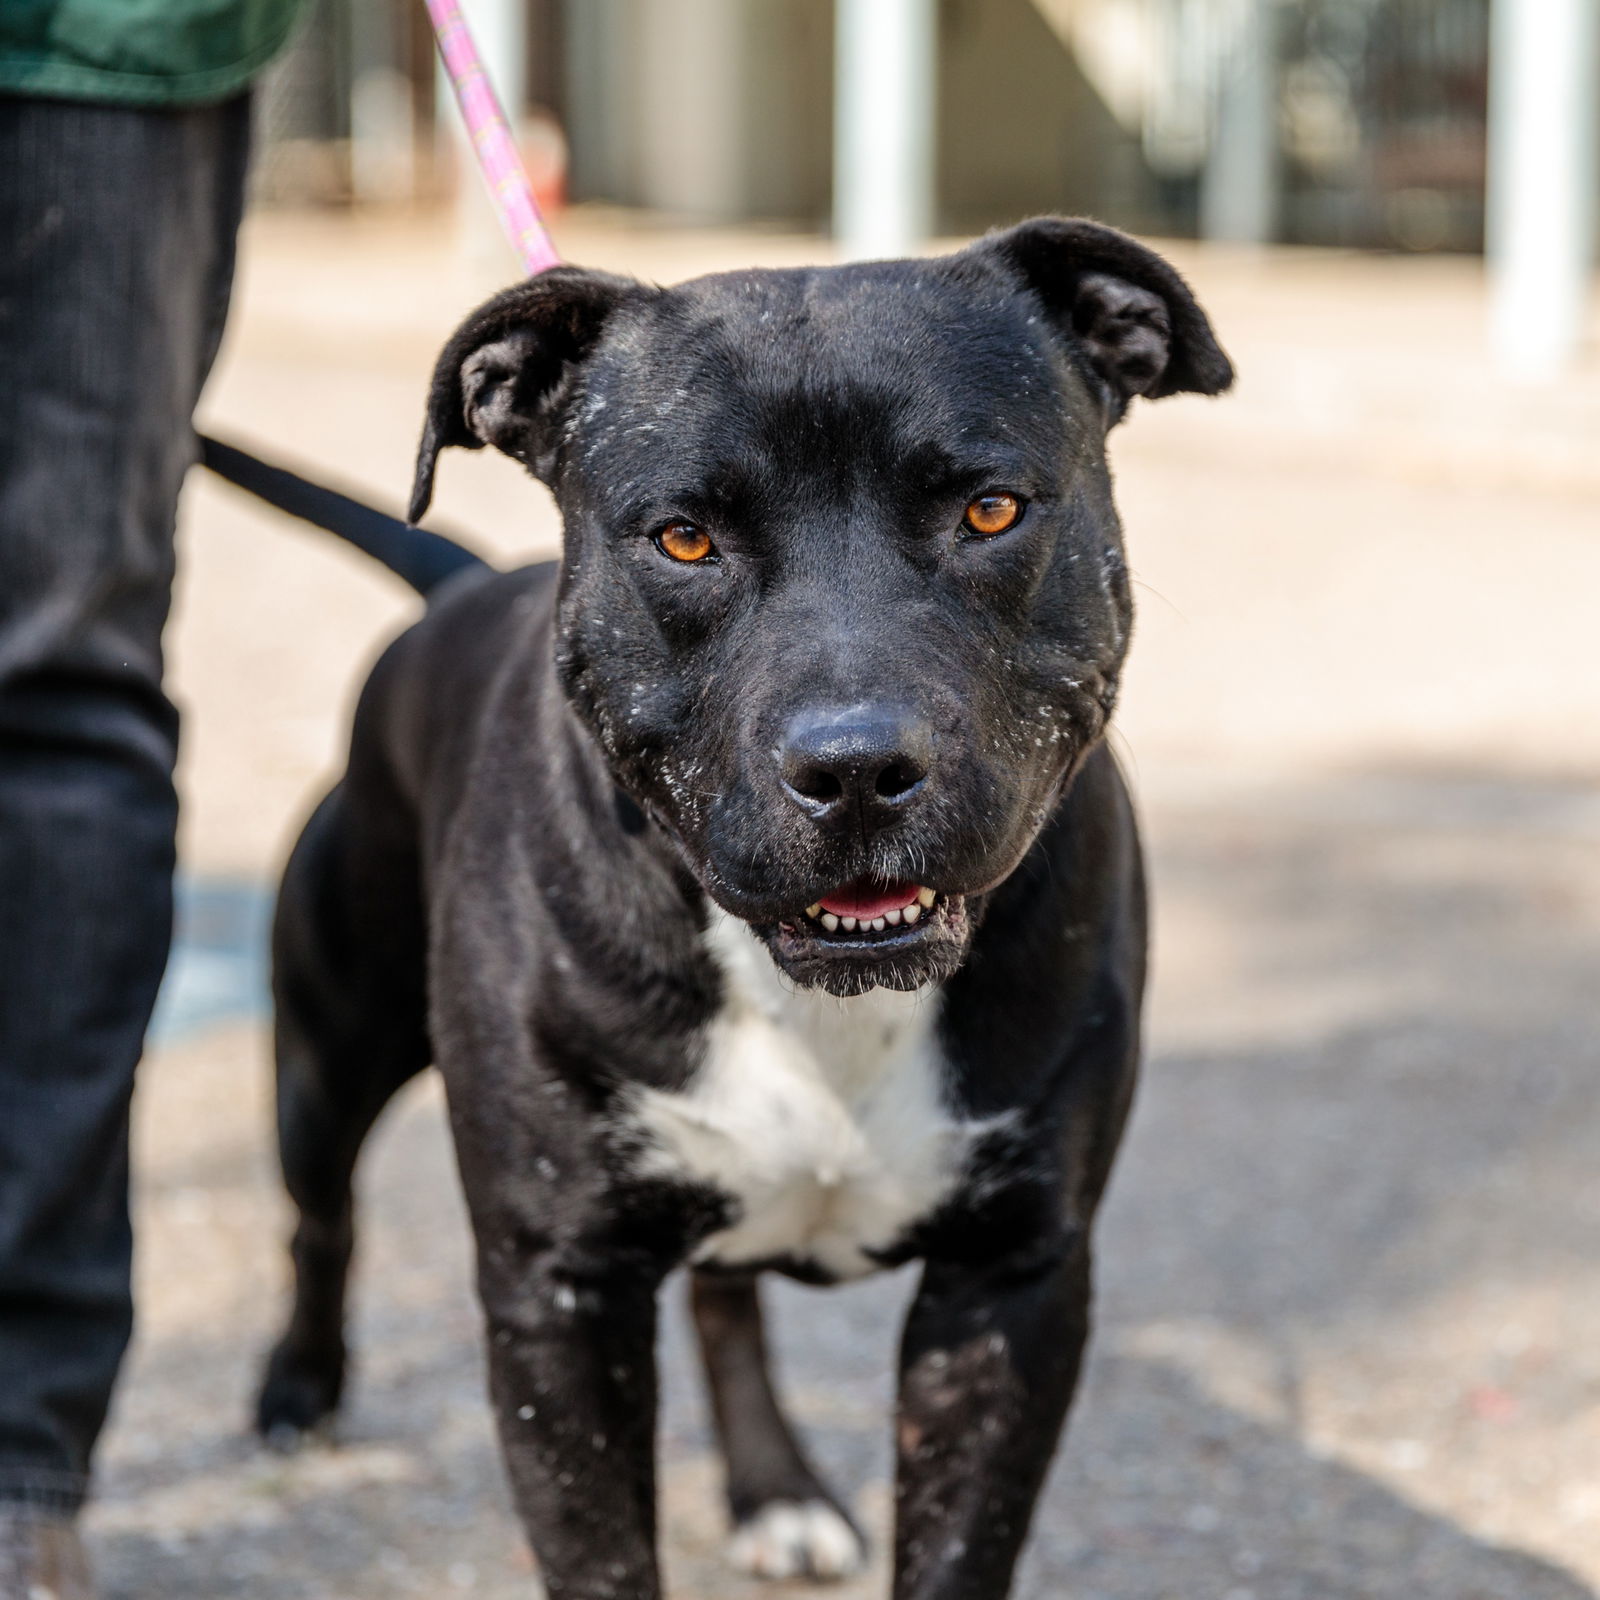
(1351, 1283)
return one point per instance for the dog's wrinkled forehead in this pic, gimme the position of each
(1010, 342)
(833, 374)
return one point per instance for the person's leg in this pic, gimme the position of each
(116, 253)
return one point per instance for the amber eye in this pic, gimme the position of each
(684, 542)
(990, 514)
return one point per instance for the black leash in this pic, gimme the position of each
(421, 557)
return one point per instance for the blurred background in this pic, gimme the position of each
(1350, 1269)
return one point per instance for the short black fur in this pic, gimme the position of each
(561, 775)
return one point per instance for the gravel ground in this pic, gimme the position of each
(1349, 1275)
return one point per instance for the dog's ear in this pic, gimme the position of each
(1135, 320)
(505, 374)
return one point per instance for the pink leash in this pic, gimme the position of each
(492, 143)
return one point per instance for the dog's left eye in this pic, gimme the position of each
(993, 513)
(683, 541)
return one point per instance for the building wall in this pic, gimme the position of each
(722, 110)
(1021, 130)
(707, 110)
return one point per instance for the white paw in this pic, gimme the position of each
(794, 1539)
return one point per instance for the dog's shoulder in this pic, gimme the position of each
(427, 698)
(474, 620)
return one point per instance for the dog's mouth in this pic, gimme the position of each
(864, 913)
(899, 935)
(859, 910)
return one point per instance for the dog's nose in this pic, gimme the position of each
(866, 761)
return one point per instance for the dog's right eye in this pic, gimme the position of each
(993, 513)
(682, 541)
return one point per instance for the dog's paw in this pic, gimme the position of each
(298, 1399)
(797, 1539)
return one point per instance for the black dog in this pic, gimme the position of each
(757, 878)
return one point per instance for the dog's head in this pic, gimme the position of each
(844, 599)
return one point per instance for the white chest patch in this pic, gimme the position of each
(824, 1120)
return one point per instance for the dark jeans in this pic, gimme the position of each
(116, 253)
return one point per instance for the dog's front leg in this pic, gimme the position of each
(573, 1377)
(988, 1364)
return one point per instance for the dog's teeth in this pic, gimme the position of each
(877, 924)
(814, 911)
(892, 918)
(925, 898)
(911, 913)
(829, 921)
(849, 924)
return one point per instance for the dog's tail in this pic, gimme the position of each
(422, 558)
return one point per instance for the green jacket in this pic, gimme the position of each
(138, 52)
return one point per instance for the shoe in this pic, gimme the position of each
(41, 1557)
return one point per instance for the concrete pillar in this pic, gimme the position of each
(382, 130)
(883, 140)
(1544, 91)
(1239, 185)
(602, 103)
(690, 106)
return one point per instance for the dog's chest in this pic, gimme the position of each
(823, 1120)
